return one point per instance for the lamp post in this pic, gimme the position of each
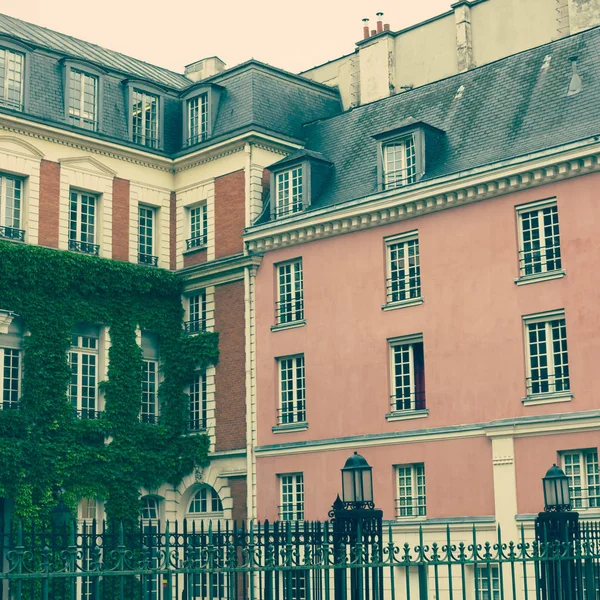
(357, 528)
(556, 531)
(61, 514)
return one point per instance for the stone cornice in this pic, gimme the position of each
(400, 205)
(217, 272)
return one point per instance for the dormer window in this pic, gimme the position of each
(399, 163)
(83, 99)
(289, 191)
(145, 118)
(197, 115)
(12, 70)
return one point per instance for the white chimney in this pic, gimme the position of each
(204, 68)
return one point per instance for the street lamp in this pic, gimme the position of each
(557, 496)
(357, 483)
(61, 514)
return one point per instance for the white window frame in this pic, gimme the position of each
(77, 107)
(291, 489)
(403, 270)
(93, 362)
(140, 134)
(197, 119)
(83, 225)
(404, 348)
(147, 227)
(150, 509)
(289, 307)
(537, 261)
(197, 312)
(554, 391)
(198, 224)
(290, 189)
(7, 356)
(413, 505)
(404, 160)
(150, 409)
(17, 58)
(198, 408)
(585, 485)
(206, 496)
(487, 581)
(11, 226)
(292, 390)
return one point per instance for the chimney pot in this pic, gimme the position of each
(379, 22)
(365, 28)
(373, 31)
(386, 27)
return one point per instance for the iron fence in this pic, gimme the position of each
(291, 561)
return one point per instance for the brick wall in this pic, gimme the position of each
(49, 203)
(194, 258)
(230, 213)
(238, 494)
(230, 376)
(120, 218)
(173, 231)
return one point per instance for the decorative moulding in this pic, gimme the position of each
(6, 318)
(87, 163)
(14, 145)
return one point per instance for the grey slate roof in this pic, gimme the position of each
(65, 44)
(509, 108)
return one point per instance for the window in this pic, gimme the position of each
(10, 383)
(198, 403)
(83, 360)
(292, 497)
(145, 118)
(149, 510)
(197, 119)
(11, 78)
(548, 361)
(411, 490)
(487, 582)
(399, 163)
(290, 293)
(288, 192)
(404, 270)
(205, 500)
(11, 208)
(88, 509)
(539, 240)
(146, 224)
(83, 99)
(82, 223)
(149, 412)
(408, 374)
(581, 467)
(197, 313)
(198, 227)
(292, 390)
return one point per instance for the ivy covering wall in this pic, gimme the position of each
(43, 446)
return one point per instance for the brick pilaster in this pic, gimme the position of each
(120, 219)
(49, 203)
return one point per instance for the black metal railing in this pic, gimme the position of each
(9, 405)
(195, 326)
(399, 178)
(405, 288)
(549, 384)
(408, 402)
(84, 247)
(196, 425)
(198, 241)
(89, 124)
(152, 419)
(87, 413)
(536, 259)
(290, 310)
(292, 412)
(148, 259)
(411, 507)
(12, 233)
(12, 104)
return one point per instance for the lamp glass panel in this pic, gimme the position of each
(347, 487)
(359, 494)
(565, 492)
(367, 484)
(550, 497)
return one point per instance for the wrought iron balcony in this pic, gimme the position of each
(12, 233)
(87, 413)
(84, 247)
(195, 326)
(148, 418)
(535, 258)
(148, 259)
(290, 310)
(9, 405)
(198, 241)
(408, 401)
(196, 425)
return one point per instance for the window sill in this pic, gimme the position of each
(549, 275)
(410, 519)
(405, 415)
(290, 427)
(195, 249)
(291, 325)
(549, 398)
(403, 303)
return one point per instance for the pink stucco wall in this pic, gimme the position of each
(471, 322)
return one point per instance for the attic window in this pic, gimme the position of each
(399, 163)
(197, 114)
(289, 191)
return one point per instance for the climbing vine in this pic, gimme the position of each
(43, 446)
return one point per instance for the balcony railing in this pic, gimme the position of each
(293, 412)
(541, 259)
(12, 233)
(549, 384)
(411, 507)
(410, 401)
(405, 288)
(196, 139)
(148, 259)
(149, 418)
(198, 241)
(399, 178)
(196, 425)
(84, 247)
(195, 326)
(12, 104)
(290, 310)
(87, 413)
(90, 124)
(9, 405)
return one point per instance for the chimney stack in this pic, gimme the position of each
(365, 28)
(379, 22)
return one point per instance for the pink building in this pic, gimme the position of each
(427, 297)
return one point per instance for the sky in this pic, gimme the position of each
(291, 35)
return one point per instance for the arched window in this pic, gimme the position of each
(149, 510)
(205, 500)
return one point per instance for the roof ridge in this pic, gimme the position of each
(88, 43)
